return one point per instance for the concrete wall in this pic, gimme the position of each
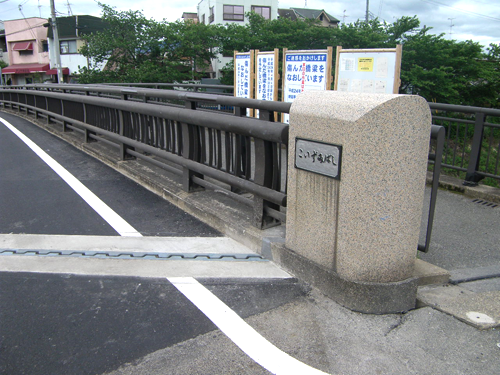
(70, 60)
(27, 30)
(205, 5)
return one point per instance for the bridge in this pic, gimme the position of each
(239, 207)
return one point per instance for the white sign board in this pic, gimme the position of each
(266, 75)
(242, 67)
(304, 70)
(266, 71)
(369, 71)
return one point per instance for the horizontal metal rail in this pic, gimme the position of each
(236, 151)
(270, 131)
(186, 86)
(472, 143)
(146, 95)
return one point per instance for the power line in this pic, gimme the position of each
(28, 28)
(461, 10)
(380, 5)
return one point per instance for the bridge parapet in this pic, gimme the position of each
(357, 170)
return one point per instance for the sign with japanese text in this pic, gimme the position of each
(266, 76)
(305, 70)
(244, 75)
(318, 157)
(374, 71)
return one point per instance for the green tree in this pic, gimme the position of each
(136, 49)
(445, 71)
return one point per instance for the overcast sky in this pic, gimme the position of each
(478, 20)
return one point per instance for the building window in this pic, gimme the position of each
(45, 46)
(211, 16)
(203, 19)
(262, 11)
(68, 46)
(234, 13)
(26, 53)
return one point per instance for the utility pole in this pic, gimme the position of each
(344, 17)
(57, 48)
(367, 11)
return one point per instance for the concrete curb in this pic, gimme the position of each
(487, 193)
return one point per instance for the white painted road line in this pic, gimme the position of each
(231, 324)
(111, 217)
(243, 335)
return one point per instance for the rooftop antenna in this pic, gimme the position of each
(70, 12)
(344, 17)
(39, 9)
(451, 25)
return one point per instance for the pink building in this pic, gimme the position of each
(28, 51)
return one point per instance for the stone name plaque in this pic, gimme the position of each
(318, 157)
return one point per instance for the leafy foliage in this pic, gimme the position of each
(136, 49)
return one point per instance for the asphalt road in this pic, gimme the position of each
(35, 200)
(77, 324)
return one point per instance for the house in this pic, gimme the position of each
(4, 54)
(324, 18)
(229, 11)
(70, 30)
(190, 16)
(26, 41)
(32, 57)
(233, 11)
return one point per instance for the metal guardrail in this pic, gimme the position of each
(472, 143)
(228, 153)
(435, 157)
(245, 154)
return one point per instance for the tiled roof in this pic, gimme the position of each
(313, 14)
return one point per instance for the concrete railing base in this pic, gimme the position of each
(364, 297)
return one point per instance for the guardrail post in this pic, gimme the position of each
(264, 175)
(472, 177)
(437, 133)
(123, 147)
(46, 108)
(190, 150)
(87, 133)
(64, 123)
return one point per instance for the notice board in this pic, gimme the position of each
(266, 76)
(368, 70)
(305, 70)
(244, 75)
